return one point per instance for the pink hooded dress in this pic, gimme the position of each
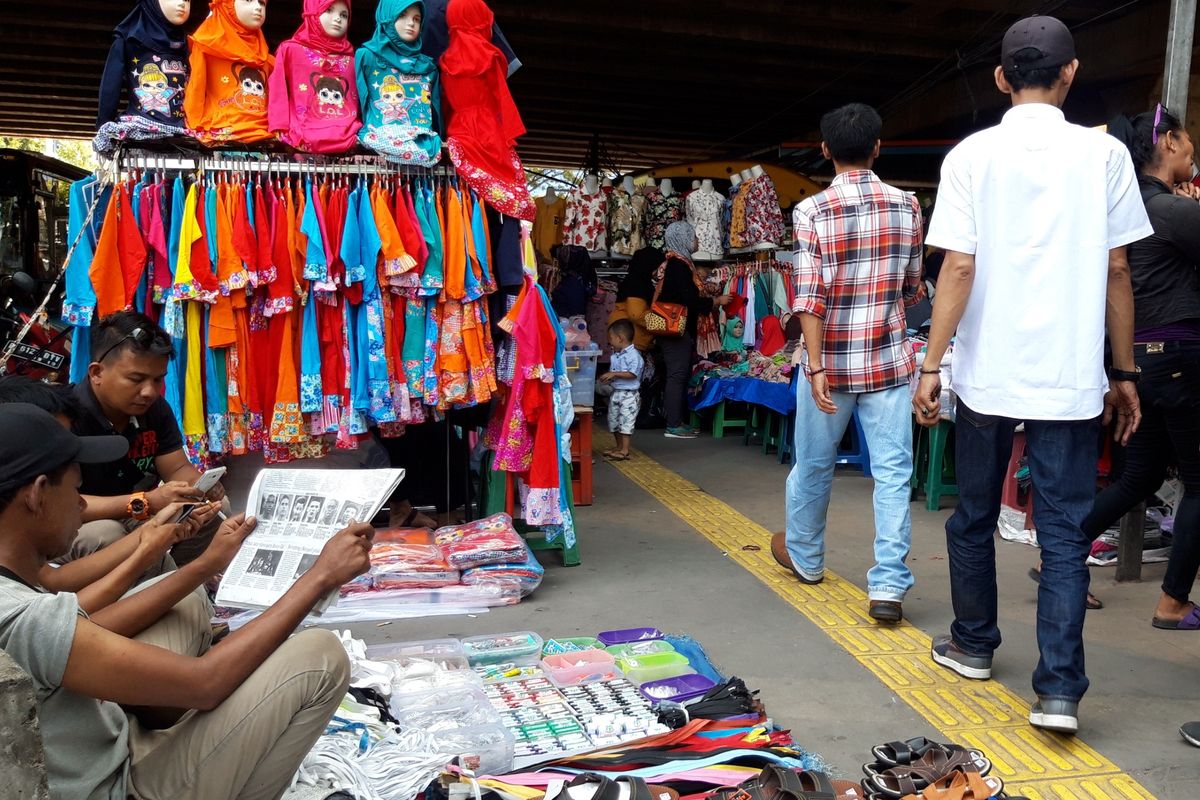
(313, 100)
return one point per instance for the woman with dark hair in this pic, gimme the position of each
(681, 285)
(1166, 294)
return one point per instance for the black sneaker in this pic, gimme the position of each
(1060, 716)
(1191, 733)
(951, 656)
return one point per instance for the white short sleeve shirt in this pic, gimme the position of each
(1039, 202)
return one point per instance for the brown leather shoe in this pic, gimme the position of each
(886, 611)
(780, 552)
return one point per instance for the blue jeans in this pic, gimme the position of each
(886, 418)
(1062, 464)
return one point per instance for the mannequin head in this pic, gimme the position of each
(627, 184)
(335, 20)
(667, 187)
(695, 185)
(408, 24)
(176, 11)
(251, 13)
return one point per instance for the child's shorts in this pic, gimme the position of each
(623, 409)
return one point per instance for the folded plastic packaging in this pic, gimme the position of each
(491, 540)
(528, 573)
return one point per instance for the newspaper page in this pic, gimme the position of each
(298, 510)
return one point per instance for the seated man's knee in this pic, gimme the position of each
(322, 651)
(97, 535)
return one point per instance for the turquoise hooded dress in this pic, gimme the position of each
(398, 90)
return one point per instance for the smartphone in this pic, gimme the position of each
(209, 479)
(185, 512)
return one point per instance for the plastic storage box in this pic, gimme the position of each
(586, 666)
(627, 635)
(581, 371)
(677, 690)
(573, 644)
(650, 647)
(446, 653)
(644, 669)
(522, 647)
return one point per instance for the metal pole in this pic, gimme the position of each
(1180, 32)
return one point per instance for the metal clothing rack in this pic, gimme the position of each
(266, 164)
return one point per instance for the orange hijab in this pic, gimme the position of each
(223, 36)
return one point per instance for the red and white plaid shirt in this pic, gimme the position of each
(858, 264)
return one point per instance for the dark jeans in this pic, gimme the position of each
(677, 353)
(1062, 462)
(1170, 395)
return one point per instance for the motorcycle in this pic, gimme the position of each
(45, 352)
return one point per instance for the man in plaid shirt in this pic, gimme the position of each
(858, 264)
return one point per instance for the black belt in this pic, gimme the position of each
(1154, 348)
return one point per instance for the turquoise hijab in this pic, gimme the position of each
(389, 48)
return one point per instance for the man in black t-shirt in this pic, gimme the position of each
(122, 395)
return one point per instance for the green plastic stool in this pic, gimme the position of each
(721, 421)
(933, 466)
(495, 490)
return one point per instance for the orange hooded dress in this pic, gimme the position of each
(226, 99)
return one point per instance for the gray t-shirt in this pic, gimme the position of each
(86, 740)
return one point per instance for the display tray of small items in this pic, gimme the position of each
(553, 697)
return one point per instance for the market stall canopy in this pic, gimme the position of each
(672, 81)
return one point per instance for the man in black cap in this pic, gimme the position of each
(261, 698)
(1034, 215)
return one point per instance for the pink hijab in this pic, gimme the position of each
(312, 35)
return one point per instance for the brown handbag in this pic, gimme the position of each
(665, 319)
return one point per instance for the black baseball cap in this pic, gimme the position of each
(33, 442)
(1047, 35)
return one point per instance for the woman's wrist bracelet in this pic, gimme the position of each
(812, 372)
(931, 372)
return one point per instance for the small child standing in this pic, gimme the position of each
(625, 377)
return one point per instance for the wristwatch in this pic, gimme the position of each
(1124, 375)
(138, 506)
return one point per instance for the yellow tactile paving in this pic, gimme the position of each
(982, 714)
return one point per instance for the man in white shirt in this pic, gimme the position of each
(1034, 215)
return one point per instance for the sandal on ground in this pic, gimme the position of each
(895, 754)
(1093, 603)
(1191, 622)
(936, 764)
(590, 786)
(613, 455)
(779, 783)
(963, 786)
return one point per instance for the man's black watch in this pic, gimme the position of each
(1124, 375)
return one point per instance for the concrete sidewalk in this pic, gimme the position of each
(643, 565)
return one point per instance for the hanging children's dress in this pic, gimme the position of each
(226, 98)
(313, 98)
(398, 90)
(149, 58)
(482, 121)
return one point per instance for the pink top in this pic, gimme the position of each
(313, 99)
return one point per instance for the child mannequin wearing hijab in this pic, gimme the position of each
(398, 87)
(226, 100)
(149, 58)
(313, 102)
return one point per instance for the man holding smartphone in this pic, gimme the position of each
(122, 395)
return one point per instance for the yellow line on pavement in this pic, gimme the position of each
(982, 714)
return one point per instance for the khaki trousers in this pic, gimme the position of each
(251, 745)
(95, 536)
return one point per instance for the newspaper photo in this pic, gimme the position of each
(298, 510)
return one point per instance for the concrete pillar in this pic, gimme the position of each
(22, 759)
(1177, 74)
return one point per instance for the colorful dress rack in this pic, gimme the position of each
(299, 306)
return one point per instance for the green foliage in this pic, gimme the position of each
(73, 151)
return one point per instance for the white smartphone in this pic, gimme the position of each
(209, 479)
